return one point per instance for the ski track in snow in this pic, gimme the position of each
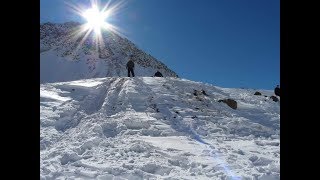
(156, 128)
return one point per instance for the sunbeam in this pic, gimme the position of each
(97, 21)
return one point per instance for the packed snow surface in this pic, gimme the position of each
(156, 128)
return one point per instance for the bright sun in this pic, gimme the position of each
(96, 19)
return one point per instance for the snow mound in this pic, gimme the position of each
(156, 128)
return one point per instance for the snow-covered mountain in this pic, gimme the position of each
(65, 56)
(156, 128)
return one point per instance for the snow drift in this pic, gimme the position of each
(156, 128)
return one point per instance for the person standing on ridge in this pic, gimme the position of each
(130, 66)
(277, 91)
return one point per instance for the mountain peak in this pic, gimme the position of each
(68, 53)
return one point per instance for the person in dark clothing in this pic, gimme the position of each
(130, 66)
(158, 74)
(277, 90)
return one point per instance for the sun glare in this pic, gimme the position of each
(96, 19)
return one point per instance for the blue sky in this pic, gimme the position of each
(228, 43)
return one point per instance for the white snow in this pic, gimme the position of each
(156, 128)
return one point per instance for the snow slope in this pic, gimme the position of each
(65, 55)
(156, 128)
